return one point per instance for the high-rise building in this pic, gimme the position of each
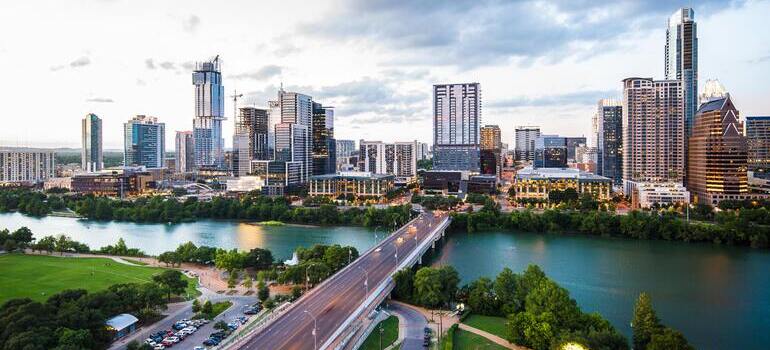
(525, 142)
(682, 60)
(26, 165)
(345, 148)
(609, 140)
(209, 114)
(490, 137)
(294, 132)
(324, 145)
(572, 143)
(253, 123)
(456, 124)
(423, 151)
(717, 162)
(712, 90)
(144, 142)
(399, 158)
(758, 139)
(184, 151)
(550, 152)
(241, 159)
(91, 156)
(653, 131)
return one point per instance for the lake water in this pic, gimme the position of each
(718, 296)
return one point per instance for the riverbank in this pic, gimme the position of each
(279, 223)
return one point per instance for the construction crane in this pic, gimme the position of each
(235, 96)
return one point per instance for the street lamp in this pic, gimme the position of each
(307, 277)
(366, 282)
(315, 328)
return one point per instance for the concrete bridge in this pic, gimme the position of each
(334, 314)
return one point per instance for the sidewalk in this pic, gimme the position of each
(497, 340)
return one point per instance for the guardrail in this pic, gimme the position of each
(252, 327)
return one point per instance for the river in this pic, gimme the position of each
(718, 296)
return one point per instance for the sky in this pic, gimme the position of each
(540, 63)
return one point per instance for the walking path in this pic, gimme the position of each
(411, 324)
(491, 337)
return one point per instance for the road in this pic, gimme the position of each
(332, 303)
(412, 323)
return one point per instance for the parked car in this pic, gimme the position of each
(159, 347)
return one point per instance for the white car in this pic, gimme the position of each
(158, 347)
(174, 339)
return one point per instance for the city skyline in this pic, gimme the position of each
(377, 95)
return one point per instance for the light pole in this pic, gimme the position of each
(366, 282)
(395, 244)
(315, 328)
(307, 277)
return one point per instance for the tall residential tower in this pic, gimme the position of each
(209, 114)
(144, 142)
(682, 60)
(456, 124)
(91, 157)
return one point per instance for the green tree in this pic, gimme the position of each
(404, 280)
(535, 332)
(207, 308)
(505, 290)
(481, 297)
(228, 260)
(247, 283)
(259, 259)
(172, 281)
(645, 323)
(427, 287)
(63, 244)
(296, 292)
(669, 339)
(221, 325)
(196, 306)
(263, 292)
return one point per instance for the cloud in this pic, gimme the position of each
(761, 59)
(286, 50)
(589, 97)
(77, 63)
(191, 24)
(167, 65)
(149, 63)
(100, 100)
(265, 72)
(474, 33)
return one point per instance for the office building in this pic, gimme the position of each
(490, 162)
(144, 142)
(423, 151)
(550, 152)
(456, 125)
(609, 140)
(758, 140)
(253, 123)
(294, 131)
(536, 183)
(345, 148)
(399, 158)
(91, 157)
(241, 155)
(26, 165)
(351, 185)
(122, 182)
(209, 114)
(445, 182)
(525, 143)
(645, 194)
(573, 143)
(490, 137)
(653, 132)
(712, 90)
(681, 60)
(184, 151)
(717, 161)
(324, 145)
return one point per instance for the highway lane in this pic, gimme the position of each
(332, 303)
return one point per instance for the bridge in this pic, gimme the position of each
(332, 315)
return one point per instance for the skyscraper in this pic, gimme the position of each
(682, 60)
(241, 159)
(550, 152)
(490, 137)
(209, 114)
(716, 166)
(653, 131)
(399, 158)
(91, 157)
(184, 151)
(293, 135)
(758, 139)
(456, 124)
(144, 142)
(253, 123)
(490, 159)
(609, 140)
(324, 146)
(26, 164)
(525, 142)
(572, 143)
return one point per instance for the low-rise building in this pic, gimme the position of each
(58, 182)
(346, 184)
(645, 194)
(486, 184)
(245, 184)
(122, 325)
(536, 183)
(120, 182)
(445, 181)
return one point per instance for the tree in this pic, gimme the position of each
(481, 297)
(669, 339)
(233, 279)
(207, 308)
(505, 290)
(427, 287)
(536, 332)
(71, 339)
(549, 297)
(23, 237)
(135, 345)
(259, 259)
(187, 251)
(172, 281)
(404, 280)
(247, 283)
(220, 325)
(228, 260)
(196, 306)
(337, 257)
(263, 292)
(47, 244)
(645, 322)
(63, 244)
(296, 292)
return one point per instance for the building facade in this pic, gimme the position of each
(532, 183)
(184, 151)
(399, 158)
(653, 131)
(572, 144)
(490, 137)
(294, 132)
(717, 154)
(525, 143)
(681, 60)
(550, 152)
(758, 139)
(324, 145)
(609, 140)
(253, 123)
(26, 165)
(456, 126)
(348, 185)
(209, 114)
(144, 142)
(91, 156)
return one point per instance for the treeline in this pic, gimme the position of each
(75, 319)
(436, 202)
(23, 238)
(748, 227)
(29, 202)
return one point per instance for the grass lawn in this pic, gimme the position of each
(469, 341)
(216, 309)
(37, 277)
(389, 335)
(135, 262)
(490, 324)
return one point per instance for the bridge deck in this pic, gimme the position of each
(337, 298)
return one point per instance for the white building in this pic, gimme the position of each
(26, 165)
(399, 158)
(525, 142)
(645, 194)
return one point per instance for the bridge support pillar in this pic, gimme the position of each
(433, 244)
(419, 260)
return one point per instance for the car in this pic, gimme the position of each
(211, 342)
(159, 347)
(167, 343)
(378, 249)
(199, 348)
(250, 312)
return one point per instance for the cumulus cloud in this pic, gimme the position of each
(100, 100)
(589, 97)
(77, 63)
(265, 72)
(190, 24)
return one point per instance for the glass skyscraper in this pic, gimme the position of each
(209, 114)
(91, 152)
(609, 140)
(682, 60)
(456, 126)
(144, 142)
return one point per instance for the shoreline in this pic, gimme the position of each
(278, 224)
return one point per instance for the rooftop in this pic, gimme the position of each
(122, 321)
(557, 173)
(352, 175)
